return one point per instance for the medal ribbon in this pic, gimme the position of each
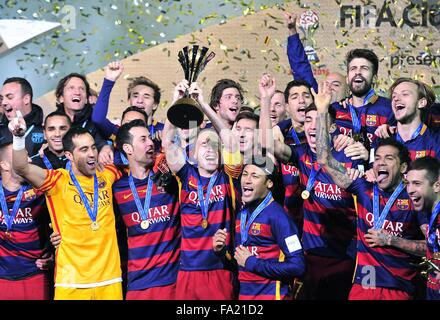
(312, 177)
(151, 131)
(244, 227)
(294, 135)
(143, 211)
(431, 230)
(355, 120)
(204, 203)
(29, 130)
(380, 218)
(370, 94)
(9, 218)
(124, 159)
(413, 136)
(47, 163)
(92, 214)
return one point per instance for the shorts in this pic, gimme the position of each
(35, 287)
(155, 293)
(360, 293)
(205, 285)
(109, 292)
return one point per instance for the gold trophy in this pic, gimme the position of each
(186, 110)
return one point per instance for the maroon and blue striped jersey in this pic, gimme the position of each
(427, 143)
(196, 251)
(293, 202)
(153, 253)
(277, 255)
(389, 267)
(375, 113)
(28, 239)
(329, 213)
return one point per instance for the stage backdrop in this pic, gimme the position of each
(406, 37)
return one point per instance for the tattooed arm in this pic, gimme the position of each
(323, 149)
(381, 238)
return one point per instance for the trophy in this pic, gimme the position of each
(186, 110)
(308, 23)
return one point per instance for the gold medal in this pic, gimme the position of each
(94, 226)
(8, 233)
(436, 256)
(305, 194)
(145, 224)
(357, 137)
(204, 223)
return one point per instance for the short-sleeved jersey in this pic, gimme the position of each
(85, 258)
(196, 250)
(153, 253)
(292, 193)
(375, 113)
(29, 235)
(433, 285)
(390, 267)
(427, 143)
(277, 255)
(329, 213)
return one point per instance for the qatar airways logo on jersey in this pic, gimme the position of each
(24, 215)
(288, 169)
(103, 198)
(155, 215)
(217, 195)
(328, 191)
(349, 132)
(393, 227)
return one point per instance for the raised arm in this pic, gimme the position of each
(175, 155)
(299, 63)
(323, 149)
(99, 116)
(281, 151)
(266, 87)
(229, 140)
(32, 173)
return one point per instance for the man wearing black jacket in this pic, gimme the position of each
(56, 125)
(72, 95)
(16, 94)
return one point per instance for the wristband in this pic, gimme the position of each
(19, 143)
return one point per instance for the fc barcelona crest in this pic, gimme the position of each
(402, 204)
(256, 229)
(37, 137)
(29, 195)
(101, 184)
(420, 154)
(371, 120)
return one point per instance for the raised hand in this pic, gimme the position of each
(267, 86)
(113, 70)
(17, 125)
(290, 19)
(323, 97)
(196, 93)
(179, 90)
